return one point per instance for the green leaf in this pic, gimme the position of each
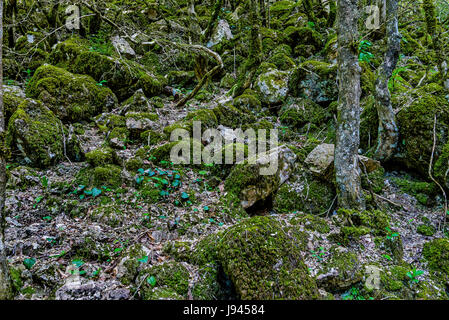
(29, 263)
(151, 281)
(143, 260)
(78, 263)
(185, 195)
(96, 192)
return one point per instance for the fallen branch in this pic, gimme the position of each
(430, 172)
(206, 77)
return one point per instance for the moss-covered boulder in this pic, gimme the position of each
(303, 35)
(255, 180)
(39, 137)
(101, 157)
(137, 103)
(304, 193)
(172, 278)
(436, 253)
(299, 112)
(123, 76)
(314, 80)
(416, 124)
(12, 97)
(272, 86)
(133, 260)
(138, 122)
(342, 271)
(264, 263)
(71, 97)
(247, 103)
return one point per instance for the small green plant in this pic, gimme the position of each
(28, 77)
(390, 234)
(414, 274)
(354, 294)
(364, 54)
(102, 83)
(37, 200)
(319, 254)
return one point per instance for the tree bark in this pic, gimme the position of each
(388, 135)
(255, 52)
(347, 168)
(5, 282)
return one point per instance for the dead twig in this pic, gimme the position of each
(430, 172)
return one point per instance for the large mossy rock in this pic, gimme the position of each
(39, 135)
(342, 271)
(169, 280)
(123, 76)
(71, 97)
(416, 124)
(436, 253)
(298, 112)
(316, 81)
(249, 181)
(272, 86)
(264, 263)
(12, 97)
(303, 192)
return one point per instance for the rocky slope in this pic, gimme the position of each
(97, 210)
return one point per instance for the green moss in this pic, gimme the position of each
(179, 250)
(312, 222)
(123, 76)
(16, 278)
(151, 137)
(134, 164)
(110, 215)
(375, 180)
(263, 263)
(11, 101)
(299, 112)
(100, 157)
(108, 175)
(114, 121)
(416, 128)
(163, 152)
(346, 267)
(119, 133)
(426, 230)
(436, 252)
(183, 79)
(314, 80)
(71, 97)
(304, 193)
(37, 135)
(303, 35)
(130, 265)
(282, 61)
(247, 102)
(422, 191)
(170, 276)
(232, 117)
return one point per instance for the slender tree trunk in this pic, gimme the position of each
(332, 13)
(5, 283)
(255, 52)
(347, 168)
(388, 135)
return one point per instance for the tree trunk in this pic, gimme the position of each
(255, 52)
(5, 282)
(388, 135)
(347, 169)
